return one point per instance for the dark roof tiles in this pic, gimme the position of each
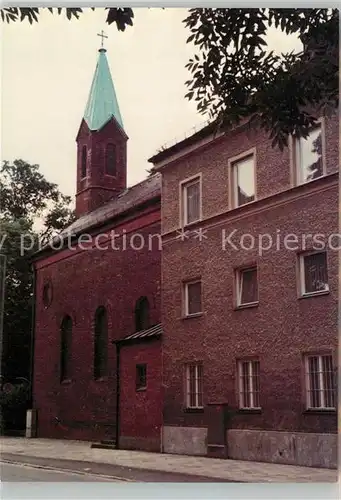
(132, 197)
(129, 199)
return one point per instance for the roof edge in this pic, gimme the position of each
(212, 129)
(148, 334)
(130, 211)
(188, 141)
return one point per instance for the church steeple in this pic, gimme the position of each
(102, 103)
(102, 143)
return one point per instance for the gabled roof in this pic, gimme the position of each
(102, 103)
(130, 198)
(140, 194)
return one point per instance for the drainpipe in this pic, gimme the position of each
(32, 335)
(2, 303)
(117, 393)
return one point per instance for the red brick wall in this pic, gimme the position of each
(282, 327)
(140, 411)
(97, 188)
(273, 170)
(82, 282)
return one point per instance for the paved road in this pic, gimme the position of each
(15, 473)
(28, 468)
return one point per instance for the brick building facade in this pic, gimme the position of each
(262, 336)
(246, 291)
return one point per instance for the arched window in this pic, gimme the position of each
(101, 343)
(83, 164)
(65, 351)
(142, 314)
(110, 159)
(47, 294)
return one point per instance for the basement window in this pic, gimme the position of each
(141, 377)
(249, 384)
(320, 388)
(194, 385)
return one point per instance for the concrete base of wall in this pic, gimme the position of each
(294, 448)
(185, 440)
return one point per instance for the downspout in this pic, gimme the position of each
(32, 335)
(117, 394)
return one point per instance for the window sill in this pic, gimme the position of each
(314, 294)
(235, 207)
(302, 183)
(320, 411)
(246, 306)
(251, 411)
(189, 225)
(193, 410)
(194, 315)
(141, 389)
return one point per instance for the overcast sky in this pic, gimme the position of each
(47, 69)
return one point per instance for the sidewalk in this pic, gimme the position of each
(231, 470)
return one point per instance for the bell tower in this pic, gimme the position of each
(101, 143)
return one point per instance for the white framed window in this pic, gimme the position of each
(313, 273)
(192, 298)
(243, 175)
(320, 380)
(247, 286)
(194, 385)
(249, 386)
(191, 201)
(309, 155)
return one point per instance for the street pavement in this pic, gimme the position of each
(19, 472)
(136, 465)
(31, 468)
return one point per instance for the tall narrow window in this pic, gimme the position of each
(192, 298)
(313, 273)
(142, 314)
(110, 159)
(65, 351)
(249, 384)
(194, 385)
(101, 343)
(191, 201)
(309, 156)
(320, 390)
(244, 180)
(83, 162)
(141, 377)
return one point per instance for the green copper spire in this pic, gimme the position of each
(102, 103)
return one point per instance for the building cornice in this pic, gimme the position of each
(260, 205)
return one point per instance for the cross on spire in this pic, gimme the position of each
(102, 35)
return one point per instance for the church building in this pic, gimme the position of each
(97, 338)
